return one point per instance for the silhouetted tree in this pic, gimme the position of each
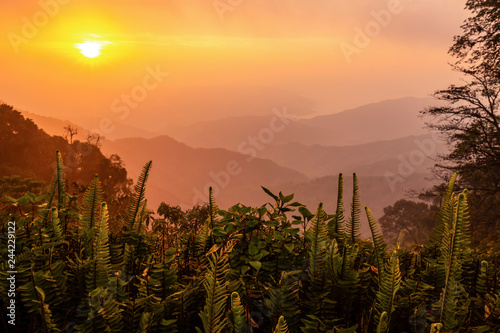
(71, 131)
(471, 119)
(408, 222)
(95, 139)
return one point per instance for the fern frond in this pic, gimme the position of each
(100, 313)
(317, 234)
(213, 209)
(99, 265)
(355, 219)
(454, 243)
(282, 327)
(334, 260)
(213, 313)
(92, 201)
(282, 300)
(436, 328)
(137, 199)
(379, 245)
(337, 226)
(482, 279)
(146, 322)
(56, 226)
(61, 182)
(237, 322)
(389, 285)
(383, 323)
(439, 226)
(34, 298)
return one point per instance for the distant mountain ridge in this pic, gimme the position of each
(369, 159)
(182, 174)
(386, 120)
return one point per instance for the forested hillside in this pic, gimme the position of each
(28, 153)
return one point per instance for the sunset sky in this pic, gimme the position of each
(221, 59)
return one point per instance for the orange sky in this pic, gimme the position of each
(230, 60)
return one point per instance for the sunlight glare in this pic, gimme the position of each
(91, 48)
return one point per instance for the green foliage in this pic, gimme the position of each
(390, 281)
(337, 223)
(237, 315)
(215, 284)
(247, 269)
(281, 327)
(137, 199)
(444, 212)
(354, 223)
(379, 246)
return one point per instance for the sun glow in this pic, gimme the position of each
(91, 48)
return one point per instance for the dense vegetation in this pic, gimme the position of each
(28, 152)
(245, 269)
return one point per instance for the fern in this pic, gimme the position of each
(61, 182)
(146, 322)
(337, 224)
(99, 265)
(282, 300)
(213, 209)
(100, 313)
(137, 199)
(334, 261)
(92, 200)
(56, 224)
(162, 276)
(237, 321)
(452, 304)
(34, 298)
(383, 323)
(213, 314)
(281, 327)
(437, 328)
(355, 219)
(482, 279)
(57, 184)
(317, 235)
(389, 285)
(439, 227)
(379, 245)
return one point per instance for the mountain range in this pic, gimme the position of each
(385, 143)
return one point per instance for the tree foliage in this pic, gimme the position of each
(470, 118)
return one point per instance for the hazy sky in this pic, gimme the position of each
(229, 57)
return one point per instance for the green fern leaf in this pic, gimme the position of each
(61, 182)
(237, 322)
(213, 313)
(317, 235)
(337, 223)
(282, 327)
(355, 219)
(389, 285)
(455, 241)
(137, 199)
(379, 244)
(439, 227)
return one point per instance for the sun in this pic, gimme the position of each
(91, 48)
